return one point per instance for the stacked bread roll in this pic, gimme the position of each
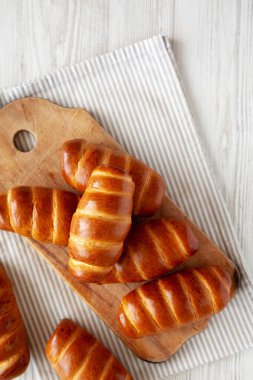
(100, 224)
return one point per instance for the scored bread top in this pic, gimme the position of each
(175, 301)
(79, 160)
(152, 249)
(76, 354)
(14, 349)
(40, 213)
(101, 222)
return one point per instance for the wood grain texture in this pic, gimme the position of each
(31, 113)
(212, 41)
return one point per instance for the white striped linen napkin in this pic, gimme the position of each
(136, 94)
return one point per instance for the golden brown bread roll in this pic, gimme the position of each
(14, 349)
(40, 213)
(100, 224)
(152, 249)
(174, 301)
(78, 162)
(77, 355)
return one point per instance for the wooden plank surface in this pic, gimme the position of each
(212, 41)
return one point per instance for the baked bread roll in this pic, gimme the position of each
(40, 213)
(77, 355)
(14, 349)
(152, 249)
(79, 160)
(100, 224)
(174, 301)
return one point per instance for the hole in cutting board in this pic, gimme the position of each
(24, 141)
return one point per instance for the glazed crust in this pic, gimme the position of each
(14, 349)
(174, 301)
(77, 355)
(40, 213)
(152, 249)
(100, 224)
(78, 162)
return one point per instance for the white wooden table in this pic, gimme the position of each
(213, 44)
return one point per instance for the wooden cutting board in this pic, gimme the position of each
(51, 126)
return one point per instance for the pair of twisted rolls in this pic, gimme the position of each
(101, 224)
(39, 213)
(14, 349)
(79, 161)
(77, 355)
(174, 301)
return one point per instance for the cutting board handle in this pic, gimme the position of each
(50, 125)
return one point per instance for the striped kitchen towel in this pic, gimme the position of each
(136, 94)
